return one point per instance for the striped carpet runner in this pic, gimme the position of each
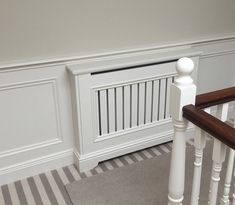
(48, 188)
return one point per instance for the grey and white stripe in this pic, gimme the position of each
(48, 188)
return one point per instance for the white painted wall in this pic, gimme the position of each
(217, 65)
(216, 73)
(39, 30)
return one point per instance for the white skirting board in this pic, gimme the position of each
(36, 166)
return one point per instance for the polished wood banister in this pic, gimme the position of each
(210, 124)
(215, 98)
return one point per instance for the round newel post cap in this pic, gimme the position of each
(184, 68)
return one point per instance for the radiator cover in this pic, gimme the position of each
(121, 103)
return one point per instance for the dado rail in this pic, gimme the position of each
(185, 106)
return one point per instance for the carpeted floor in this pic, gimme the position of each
(48, 188)
(143, 183)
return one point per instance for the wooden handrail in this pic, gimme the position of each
(215, 98)
(210, 124)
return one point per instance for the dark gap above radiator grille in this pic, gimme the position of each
(132, 67)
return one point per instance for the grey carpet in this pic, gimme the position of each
(49, 187)
(143, 183)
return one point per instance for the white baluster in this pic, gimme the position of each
(218, 157)
(234, 190)
(219, 150)
(230, 163)
(228, 179)
(208, 110)
(182, 93)
(233, 150)
(199, 144)
(222, 112)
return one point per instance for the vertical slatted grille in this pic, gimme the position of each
(132, 105)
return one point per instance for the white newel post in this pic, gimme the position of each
(183, 92)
